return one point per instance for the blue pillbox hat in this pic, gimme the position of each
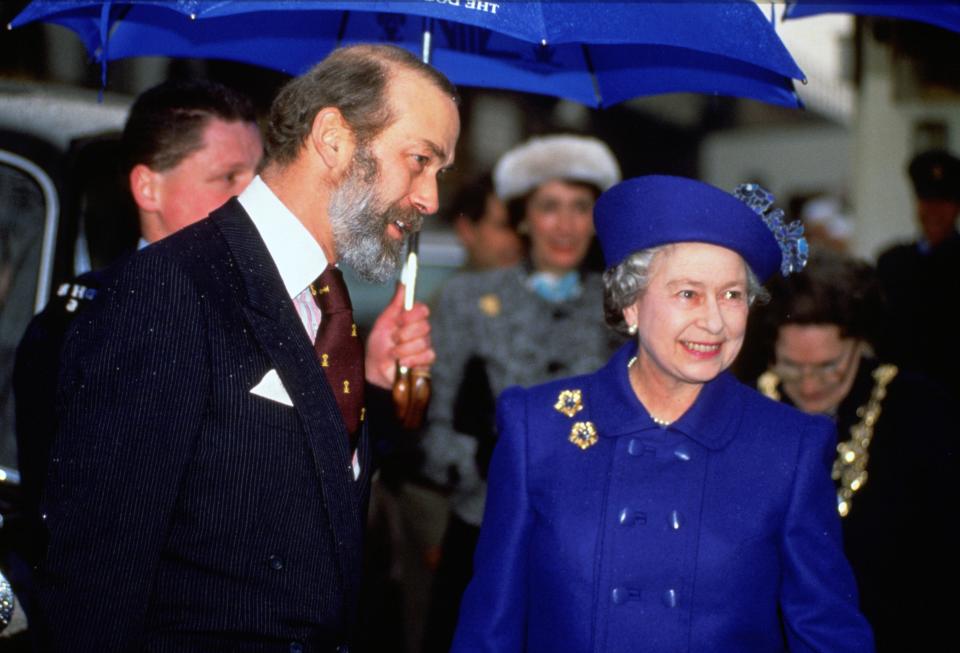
(645, 212)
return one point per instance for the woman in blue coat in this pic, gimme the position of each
(658, 504)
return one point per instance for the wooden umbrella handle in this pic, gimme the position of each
(411, 396)
(411, 387)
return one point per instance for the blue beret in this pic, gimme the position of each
(644, 212)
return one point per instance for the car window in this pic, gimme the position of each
(28, 215)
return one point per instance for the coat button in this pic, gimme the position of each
(675, 520)
(275, 562)
(629, 517)
(620, 595)
(682, 452)
(638, 448)
(670, 598)
(296, 647)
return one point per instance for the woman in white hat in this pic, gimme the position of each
(539, 320)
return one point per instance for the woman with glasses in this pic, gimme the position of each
(658, 504)
(895, 464)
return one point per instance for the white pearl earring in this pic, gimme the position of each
(632, 329)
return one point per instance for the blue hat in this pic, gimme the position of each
(644, 212)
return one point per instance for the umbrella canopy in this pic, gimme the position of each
(942, 14)
(594, 53)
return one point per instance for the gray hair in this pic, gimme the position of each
(352, 79)
(624, 283)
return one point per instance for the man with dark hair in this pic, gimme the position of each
(483, 227)
(208, 483)
(920, 278)
(189, 146)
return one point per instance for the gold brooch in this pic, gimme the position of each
(490, 305)
(569, 402)
(583, 434)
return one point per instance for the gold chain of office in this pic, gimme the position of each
(850, 467)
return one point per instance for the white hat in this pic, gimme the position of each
(575, 158)
(826, 211)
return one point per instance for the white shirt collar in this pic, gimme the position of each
(297, 255)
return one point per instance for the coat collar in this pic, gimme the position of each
(712, 420)
(261, 281)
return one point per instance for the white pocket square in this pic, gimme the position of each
(270, 387)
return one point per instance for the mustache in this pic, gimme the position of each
(411, 218)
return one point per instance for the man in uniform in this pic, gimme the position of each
(481, 223)
(920, 279)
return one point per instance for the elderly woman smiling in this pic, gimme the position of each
(658, 504)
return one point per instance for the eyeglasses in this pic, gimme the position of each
(829, 371)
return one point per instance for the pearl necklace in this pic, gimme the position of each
(656, 420)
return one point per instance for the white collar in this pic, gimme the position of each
(297, 255)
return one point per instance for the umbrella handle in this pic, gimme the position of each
(411, 387)
(411, 396)
(427, 40)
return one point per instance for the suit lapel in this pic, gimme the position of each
(277, 327)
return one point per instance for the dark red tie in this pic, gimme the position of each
(339, 347)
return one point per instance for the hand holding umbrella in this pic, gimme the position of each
(399, 353)
(411, 385)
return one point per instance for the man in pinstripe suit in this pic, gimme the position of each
(203, 493)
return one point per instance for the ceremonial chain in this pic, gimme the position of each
(850, 467)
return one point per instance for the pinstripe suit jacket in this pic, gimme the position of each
(184, 512)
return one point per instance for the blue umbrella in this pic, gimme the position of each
(943, 14)
(595, 53)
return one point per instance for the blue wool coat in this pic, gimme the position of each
(718, 533)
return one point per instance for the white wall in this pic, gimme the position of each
(786, 159)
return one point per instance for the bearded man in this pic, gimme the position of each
(209, 479)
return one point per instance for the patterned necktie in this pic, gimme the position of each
(339, 347)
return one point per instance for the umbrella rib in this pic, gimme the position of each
(342, 31)
(593, 75)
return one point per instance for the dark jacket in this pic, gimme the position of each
(920, 287)
(35, 388)
(185, 512)
(899, 535)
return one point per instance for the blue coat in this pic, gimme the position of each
(718, 533)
